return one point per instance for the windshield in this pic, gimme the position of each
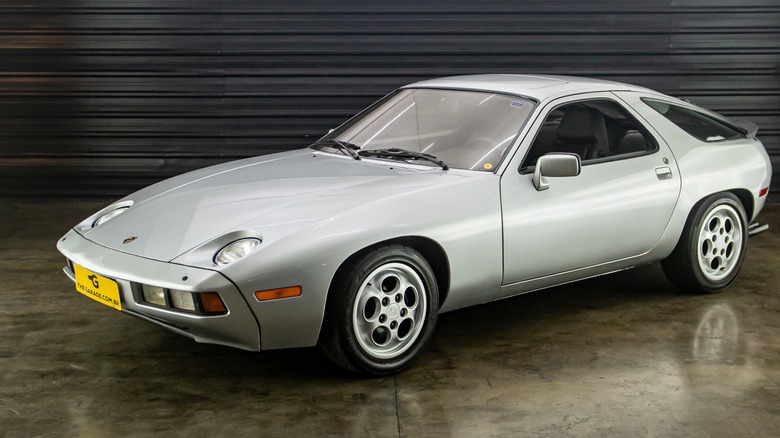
(464, 129)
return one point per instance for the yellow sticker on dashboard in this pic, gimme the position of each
(488, 166)
(99, 288)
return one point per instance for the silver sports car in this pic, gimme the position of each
(444, 194)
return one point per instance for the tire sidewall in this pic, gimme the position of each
(695, 226)
(361, 359)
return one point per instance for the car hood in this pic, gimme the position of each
(285, 191)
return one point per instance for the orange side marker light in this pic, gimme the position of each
(276, 294)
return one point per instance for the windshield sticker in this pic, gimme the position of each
(517, 103)
(488, 166)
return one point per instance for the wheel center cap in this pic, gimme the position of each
(393, 311)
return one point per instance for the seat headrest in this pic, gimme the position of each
(633, 141)
(581, 125)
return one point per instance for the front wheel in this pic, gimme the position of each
(382, 310)
(712, 247)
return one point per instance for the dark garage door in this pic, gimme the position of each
(100, 98)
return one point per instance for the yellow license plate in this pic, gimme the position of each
(99, 288)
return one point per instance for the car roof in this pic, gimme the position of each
(539, 87)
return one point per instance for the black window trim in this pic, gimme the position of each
(525, 170)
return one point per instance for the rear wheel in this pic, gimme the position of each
(712, 247)
(381, 311)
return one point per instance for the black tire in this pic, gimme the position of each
(382, 311)
(711, 249)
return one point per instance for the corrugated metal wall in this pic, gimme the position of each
(104, 97)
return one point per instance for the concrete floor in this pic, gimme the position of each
(622, 355)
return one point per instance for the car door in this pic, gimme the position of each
(614, 211)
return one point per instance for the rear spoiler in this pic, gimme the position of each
(747, 128)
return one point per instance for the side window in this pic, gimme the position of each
(593, 129)
(699, 125)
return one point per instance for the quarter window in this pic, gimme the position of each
(702, 126)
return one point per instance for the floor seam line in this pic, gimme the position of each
(397, 411)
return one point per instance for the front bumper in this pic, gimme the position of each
(238, 328)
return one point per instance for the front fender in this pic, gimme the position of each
(463, 218)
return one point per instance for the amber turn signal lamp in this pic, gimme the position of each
(275, 294)
(212, 303)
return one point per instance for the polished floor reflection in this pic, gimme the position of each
(621, 355)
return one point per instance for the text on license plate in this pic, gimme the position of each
(97, 287)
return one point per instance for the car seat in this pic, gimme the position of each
(583, 131)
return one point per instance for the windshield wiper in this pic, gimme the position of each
(402, 154)
(344, 147)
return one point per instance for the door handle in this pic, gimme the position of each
(663, 172)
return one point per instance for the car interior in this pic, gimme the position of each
(594, 130)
